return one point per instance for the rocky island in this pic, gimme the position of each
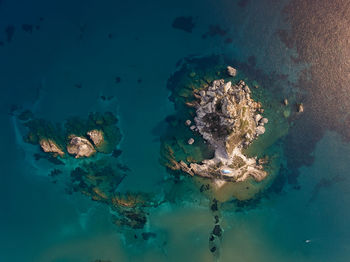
(219, 136)
(229, 120)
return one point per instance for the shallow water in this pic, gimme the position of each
(306, 221)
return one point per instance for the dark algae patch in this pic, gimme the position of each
(184, 23)
(9, 31)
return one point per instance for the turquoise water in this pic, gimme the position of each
(89, 44)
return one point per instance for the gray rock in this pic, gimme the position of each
(211, 93)
(227, 87)
(258, 117)
(260, 130)
(264, 120)
(190, 141)
(246, 89)
(188, 122)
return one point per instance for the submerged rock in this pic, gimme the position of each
(49, 146)
(217, 231)
(80, 147)
(147, 235)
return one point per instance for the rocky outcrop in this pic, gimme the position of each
(80, 147)
(96, 137)
(229, 120)
(49, 146)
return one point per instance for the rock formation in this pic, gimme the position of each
(49, 146)
(300, 108)
(229, 120)
(190, 141)
(96, 137)
(80, 147)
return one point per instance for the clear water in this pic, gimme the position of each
(307, 221)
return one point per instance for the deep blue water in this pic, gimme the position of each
(89, 44)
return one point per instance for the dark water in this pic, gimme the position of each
(58, 58)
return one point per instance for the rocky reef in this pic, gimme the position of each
(228, 119)
(87, 151)
(78, 137)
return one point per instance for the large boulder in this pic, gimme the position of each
(49, 146)
(80, 147)
(231, 71)
(260, 130)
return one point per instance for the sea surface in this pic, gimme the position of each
(57, 58)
